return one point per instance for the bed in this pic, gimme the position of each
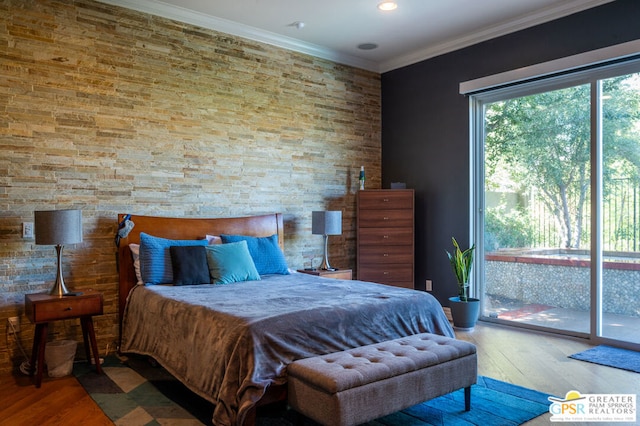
(231, 343)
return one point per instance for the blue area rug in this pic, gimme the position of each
(493, 403)
(136, 393)
(611, 357)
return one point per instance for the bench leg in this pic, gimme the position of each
(467, 398)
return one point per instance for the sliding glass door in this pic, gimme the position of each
(620, 231)
(557, 196)
(536, 221)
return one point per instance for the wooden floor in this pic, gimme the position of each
(540, 361)
(61, 401)
(533, 360)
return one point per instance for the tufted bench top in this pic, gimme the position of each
(367, 364)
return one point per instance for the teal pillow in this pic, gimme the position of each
(230, 263)
(265, 252)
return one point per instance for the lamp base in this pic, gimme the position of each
(325, 258)
(59, 288)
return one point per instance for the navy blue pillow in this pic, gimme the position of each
(190, 265)
(155, 259)
(265, 252)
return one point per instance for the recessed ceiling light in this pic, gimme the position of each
(387, 5)
(367, 46)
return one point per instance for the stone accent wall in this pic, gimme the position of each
(113, 111)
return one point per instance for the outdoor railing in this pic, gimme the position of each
(621, 219)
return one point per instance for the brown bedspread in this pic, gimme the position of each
(228, 343)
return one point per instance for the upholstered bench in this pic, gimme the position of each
(362, 384)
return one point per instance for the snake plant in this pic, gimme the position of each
(461, 262)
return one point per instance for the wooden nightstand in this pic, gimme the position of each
(338, 274)
(42, 308)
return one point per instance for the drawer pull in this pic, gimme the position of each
(68, 308)
(385, 273)
(385, 200)
(385, 237)
(385, 218)
(386, 255)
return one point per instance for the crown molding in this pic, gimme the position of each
(181, 14)
(158, 8)
(504, 28)
(531, 20)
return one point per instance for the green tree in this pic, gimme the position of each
(543, 141)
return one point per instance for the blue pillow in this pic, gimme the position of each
(265, 252)
(155, 258)
(230, 263)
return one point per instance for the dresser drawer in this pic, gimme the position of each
(395, 199)
(386, 275)
(385, 254)
(65, 307)
(385, 218)
(385, 236)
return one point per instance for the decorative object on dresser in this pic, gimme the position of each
(326, 223)
(58, 227)
(338, 274)
(385, 220)
(464, 309)
(44, 308)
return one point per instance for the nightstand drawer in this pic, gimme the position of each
(51, 309)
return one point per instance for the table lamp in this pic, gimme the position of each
(58, 227)
(326, 223)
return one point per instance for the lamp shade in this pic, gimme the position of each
(326, 223)
(58, 227)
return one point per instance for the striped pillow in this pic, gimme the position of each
(155, 257)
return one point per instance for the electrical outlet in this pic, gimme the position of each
(429, 285)
(13, 324)
(27, 229)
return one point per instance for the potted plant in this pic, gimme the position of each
(464, 309)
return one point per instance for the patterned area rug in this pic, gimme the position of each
(135, 393)
(611, 357)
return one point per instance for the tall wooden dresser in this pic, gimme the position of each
(385, 220)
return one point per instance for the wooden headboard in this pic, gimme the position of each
(187, 229)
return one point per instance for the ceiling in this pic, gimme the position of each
(333, 29)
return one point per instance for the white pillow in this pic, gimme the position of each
(135, 253)
(214, 239)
